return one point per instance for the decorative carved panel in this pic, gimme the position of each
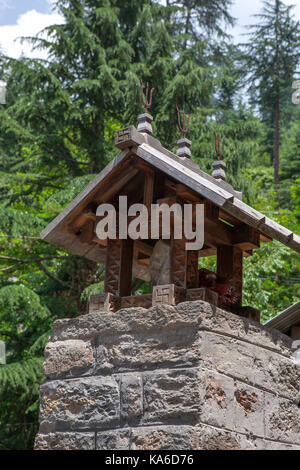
(113, 264)
(106, 302)
(202, 293)
(192, 269)
(179, 263)
(144, 301)
(168, 294)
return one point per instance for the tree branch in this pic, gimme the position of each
(51, 276)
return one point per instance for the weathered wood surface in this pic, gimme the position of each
(184, 175)
(106, 302)
(230, 266)
(126, 261)
(168, 294)
(84, 197)
(202, 293)
(160, 263)
(294, 243)
(269, 228)
(246, 312)
(113, 267)
(191, 281)
(144, 300)
(246, 237)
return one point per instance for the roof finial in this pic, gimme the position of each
(219, 166)
(147, 103)
(184, 127)
(219, 152)
(183, 144)
(145, 119)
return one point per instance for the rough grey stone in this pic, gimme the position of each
(78, 404)
(65, 441)
(223, 322)
(264, 444)
(172, 396)
(216, 400)
(209, 438)
(250, 363)
(110, 440)
(186, 377)
(139, 351)
(126, 320)
(160, 263)
(63, 357)
(161, 438)
(131, 398)
(249, 409)
(282, 420)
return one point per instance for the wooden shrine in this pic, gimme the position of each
(147, 173)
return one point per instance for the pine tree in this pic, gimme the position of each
(290, 157)
(271, 60)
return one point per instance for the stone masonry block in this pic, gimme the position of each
(249, 405)
(79, 404)
(177, 347)
(223, 322)
(190, 376)
(109, 440)
(250, 363)
(131, 398)
(65, 441)
(216, 400)
(210, 438)
(171, 396)
(282, 420)
(67, 358)
(231, 404)
(161, 438)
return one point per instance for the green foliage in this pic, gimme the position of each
(271, 60)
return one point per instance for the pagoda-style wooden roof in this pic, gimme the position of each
(139, 147)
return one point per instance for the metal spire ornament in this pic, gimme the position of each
(146, 102)
(145, 119)
(219, 166)
(184, 144)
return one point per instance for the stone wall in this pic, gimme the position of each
(186, 377)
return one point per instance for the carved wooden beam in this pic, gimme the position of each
(125, 275)
(86, 216)
(246, 237)
(230, 266)
(105, 302)
(184, 192)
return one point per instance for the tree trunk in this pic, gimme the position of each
(277, 105)
(276, 152)
(187, 25)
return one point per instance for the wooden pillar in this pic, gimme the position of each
(126, 267)
(178, 262)
(119, 257)
(184, 265)
(192, 269)
(148, 188)
(230, 266)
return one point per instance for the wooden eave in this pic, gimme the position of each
(123, 168)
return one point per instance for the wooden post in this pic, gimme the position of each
(119, 256)
(178, 262)
(230, 266)
(125, 275)
(148, 188)
(192, 269)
